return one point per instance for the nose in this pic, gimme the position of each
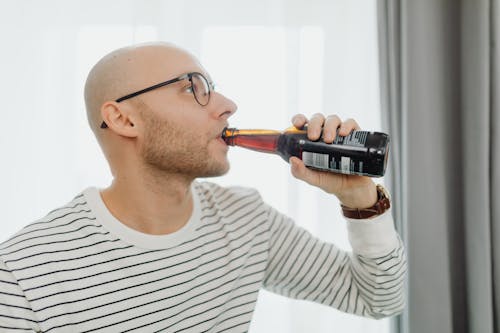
(222, 106)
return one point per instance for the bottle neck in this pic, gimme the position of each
(265, 141)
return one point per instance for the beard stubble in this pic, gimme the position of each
(170, 149)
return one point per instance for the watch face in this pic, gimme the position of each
(382, 191)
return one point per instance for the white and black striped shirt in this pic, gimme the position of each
(80, 270)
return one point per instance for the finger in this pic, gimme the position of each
(332, 123)
(327, 181)
(299, 120)
(300, 171)
(315, 126)
(348, 126)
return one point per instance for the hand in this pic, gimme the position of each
(352, 190)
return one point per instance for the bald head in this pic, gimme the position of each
(130, 69)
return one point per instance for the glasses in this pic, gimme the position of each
(200, 87)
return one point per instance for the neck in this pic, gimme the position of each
(150, 203)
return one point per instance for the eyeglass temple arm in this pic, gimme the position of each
(156, 86)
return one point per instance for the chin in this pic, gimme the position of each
(217, 170)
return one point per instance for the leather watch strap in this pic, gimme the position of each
(382, 205)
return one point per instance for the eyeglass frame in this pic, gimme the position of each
(189, 76)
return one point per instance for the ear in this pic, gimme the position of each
(118, 119)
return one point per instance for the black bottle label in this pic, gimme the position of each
(361, 152)
(343, 164)
(355, 139)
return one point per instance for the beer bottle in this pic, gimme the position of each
(359, 153)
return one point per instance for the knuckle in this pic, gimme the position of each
(318, 116)
(352, 121)
(333, 117)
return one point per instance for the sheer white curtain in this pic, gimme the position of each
(274, 58)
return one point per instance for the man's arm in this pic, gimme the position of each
(367, 282)
(15, 311)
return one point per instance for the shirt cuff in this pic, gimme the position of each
(373, 237)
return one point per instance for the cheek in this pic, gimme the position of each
(195, 132)
(181, 124)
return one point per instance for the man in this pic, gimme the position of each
(158, 251)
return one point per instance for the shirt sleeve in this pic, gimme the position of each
(15, 312)
(369, 281)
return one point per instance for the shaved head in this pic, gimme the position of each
(127, 70)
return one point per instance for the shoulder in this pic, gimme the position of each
(211, 194)
(219, 192)
(231, 201)
(236, 214)
(60, 226)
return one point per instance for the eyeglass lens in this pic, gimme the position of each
(201, 88)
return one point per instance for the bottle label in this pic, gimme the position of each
(316, 160)
(355, 139)
(343, 164)
(359, 153)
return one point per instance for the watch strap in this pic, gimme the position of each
(381, 206)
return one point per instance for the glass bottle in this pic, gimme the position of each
(359, 153)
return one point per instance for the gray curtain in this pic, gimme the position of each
(440, 100)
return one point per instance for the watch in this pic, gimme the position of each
(381, 206)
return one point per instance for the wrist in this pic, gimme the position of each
(360, 197)
(382, 204)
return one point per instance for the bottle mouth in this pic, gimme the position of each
(228, 136)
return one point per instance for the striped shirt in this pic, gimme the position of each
(79, 269)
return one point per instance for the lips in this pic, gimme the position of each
(221, 132)
(218, 137)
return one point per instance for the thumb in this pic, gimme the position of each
(300, 171)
